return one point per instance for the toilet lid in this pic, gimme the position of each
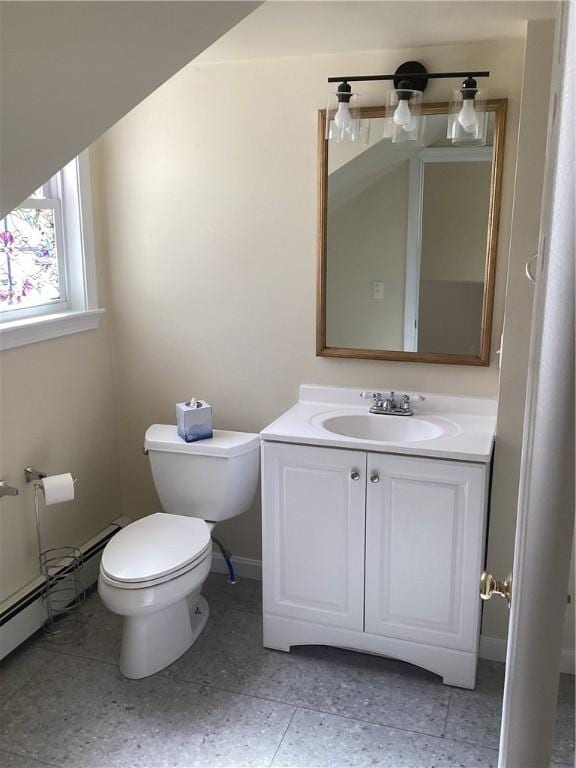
(155, 546)
(225, 444)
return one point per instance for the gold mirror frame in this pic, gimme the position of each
(498, 107)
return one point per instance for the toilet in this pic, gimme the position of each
(152, 571)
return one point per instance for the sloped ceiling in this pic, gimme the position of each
(352, 175)
(70, 70)
(293, 28)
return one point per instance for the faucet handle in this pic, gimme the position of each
(407, 400)
(371, 395)
(377, 397)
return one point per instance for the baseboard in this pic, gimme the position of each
(243, 566)
(567, 664)
(24, 613)
(494, 649)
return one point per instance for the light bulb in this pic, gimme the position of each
(411, 125)
(467, 116)
(402, 114)
(343, 118)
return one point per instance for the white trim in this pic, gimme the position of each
(413, 253)
(33, 329)
(567, 664)
(243, 566)
(78, 224)
(39, 310)
(494, 649)
(456, 154)
(87, 224)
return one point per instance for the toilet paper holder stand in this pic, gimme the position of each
(60, 566)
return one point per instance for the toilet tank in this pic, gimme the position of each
(211, 479)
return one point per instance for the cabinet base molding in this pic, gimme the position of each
(457, 668)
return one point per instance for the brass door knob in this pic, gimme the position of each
(490, 586)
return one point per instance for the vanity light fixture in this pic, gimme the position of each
(344, 110)
(467, 116)
(403, 121)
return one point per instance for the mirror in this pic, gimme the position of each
(407, 242)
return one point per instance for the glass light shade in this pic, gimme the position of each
(467, 117)
(404, 121)
(344, 122)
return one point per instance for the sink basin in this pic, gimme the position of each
(389, 429)
(443, 426)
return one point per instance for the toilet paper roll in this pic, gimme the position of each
(58, 488)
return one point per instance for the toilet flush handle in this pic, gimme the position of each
(145, 450)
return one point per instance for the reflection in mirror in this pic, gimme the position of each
(407, 257)
(454, 224)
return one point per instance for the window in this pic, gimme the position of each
(47, 281)
(32, 268)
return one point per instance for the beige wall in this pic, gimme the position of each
(57, 404)
(68, 71)
(455, 221)
(455, 203)
(366, 242)
(57, 411)
(209, 196)
(450, 316)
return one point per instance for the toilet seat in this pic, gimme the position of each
(155, 549)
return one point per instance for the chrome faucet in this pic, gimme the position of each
(390, 404)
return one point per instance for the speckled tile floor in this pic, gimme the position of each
(228, 703)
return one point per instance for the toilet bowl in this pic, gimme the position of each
(152, 571)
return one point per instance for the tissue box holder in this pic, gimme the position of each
(194, 422)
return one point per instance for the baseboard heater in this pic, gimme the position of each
(24, 613)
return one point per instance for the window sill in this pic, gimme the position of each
(17, 333)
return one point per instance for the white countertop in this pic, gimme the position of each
(467, 424)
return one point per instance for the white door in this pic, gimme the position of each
(313, 518)
(425, 530)
(545, 522)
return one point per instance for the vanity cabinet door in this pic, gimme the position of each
(313, 524)
(425, 528)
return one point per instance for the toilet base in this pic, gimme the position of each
(151, 642)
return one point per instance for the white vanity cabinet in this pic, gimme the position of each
(313, 530)
(424, 549)
(375, 552)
